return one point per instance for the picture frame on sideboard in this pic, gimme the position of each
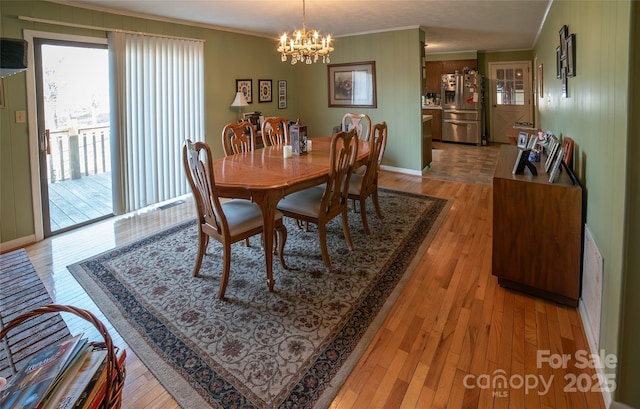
(557, 163)
(551, 152)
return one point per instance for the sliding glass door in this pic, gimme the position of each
(72, 93)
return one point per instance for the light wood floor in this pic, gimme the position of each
(452, 325)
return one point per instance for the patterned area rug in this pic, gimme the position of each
(289, 348)
(21, 291)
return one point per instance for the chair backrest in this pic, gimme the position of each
(200, 176)
(361, 123)
(342, 156)
(377, 147)
(275, 131)
(238, 137)
(568, 152)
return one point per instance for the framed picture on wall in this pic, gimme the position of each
(558, 63)
(244, 86)
(352, 85)
(564, 31)
(282, 94)
(571, 55)
(265, 90)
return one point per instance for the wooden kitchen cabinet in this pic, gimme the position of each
(451, 66)
(436, 122)
(434, 76)
(537, 231)
(435, 69)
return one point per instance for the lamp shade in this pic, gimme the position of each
(239, 100)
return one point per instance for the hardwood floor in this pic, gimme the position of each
(450, 335)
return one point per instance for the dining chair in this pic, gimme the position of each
(361, 123)
(361, 186)
(321, 204)
(227, 222)
(275, 131)
(238, 137)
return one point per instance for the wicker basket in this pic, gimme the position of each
(115, 371)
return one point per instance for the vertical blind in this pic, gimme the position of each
(157, 97)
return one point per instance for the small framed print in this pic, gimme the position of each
(265, 91)
(244, 86)
(282, 94)
(557, 162)
(523, 137)
(552, 149)
(558, 63)
(571, 55)
(564, 31)
(532, 142)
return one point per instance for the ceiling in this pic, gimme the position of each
(449, 25)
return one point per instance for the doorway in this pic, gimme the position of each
(510, 97)
(72, 103)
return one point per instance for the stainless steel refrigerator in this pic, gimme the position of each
(462, 108)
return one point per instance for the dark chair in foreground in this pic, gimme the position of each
(320, 204)
(227, 222)
(275, 131)
(361, 186)
(238, 137)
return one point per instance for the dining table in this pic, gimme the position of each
(265, 176)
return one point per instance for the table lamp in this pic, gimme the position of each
(239, 102)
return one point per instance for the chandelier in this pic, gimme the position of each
(305, 45)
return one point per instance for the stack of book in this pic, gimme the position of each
(68, 374)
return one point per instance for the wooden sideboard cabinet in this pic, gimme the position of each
(537, 231)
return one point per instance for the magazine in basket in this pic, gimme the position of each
(31, 385)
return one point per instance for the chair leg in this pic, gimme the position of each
(374, 196)
(322, 233)
(282, 233)
(363, 215)
(345, 228)
(226, 266)
(203, 240)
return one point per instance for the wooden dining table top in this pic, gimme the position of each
(267, 168)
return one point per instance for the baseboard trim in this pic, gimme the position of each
(401, 170)
(595, 354)
(17, 243)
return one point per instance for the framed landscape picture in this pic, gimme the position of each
(265, 91)
(352, 85)
(244, 86)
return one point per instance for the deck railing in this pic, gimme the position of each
(74, 156)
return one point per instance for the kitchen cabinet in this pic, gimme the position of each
(436, 122)
(433, 79)
(537, 231)
(426, 140)
(435, 69)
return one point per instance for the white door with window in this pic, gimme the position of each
(510, 97)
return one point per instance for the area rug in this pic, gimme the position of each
(289, 348)
(21, 291)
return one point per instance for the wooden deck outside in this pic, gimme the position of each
(77, 201)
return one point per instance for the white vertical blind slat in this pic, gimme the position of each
(162, 81)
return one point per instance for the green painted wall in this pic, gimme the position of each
(596, 115)
(398, 78)
(228, 56)
(630, 330)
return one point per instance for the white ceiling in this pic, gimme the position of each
(449, 25)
